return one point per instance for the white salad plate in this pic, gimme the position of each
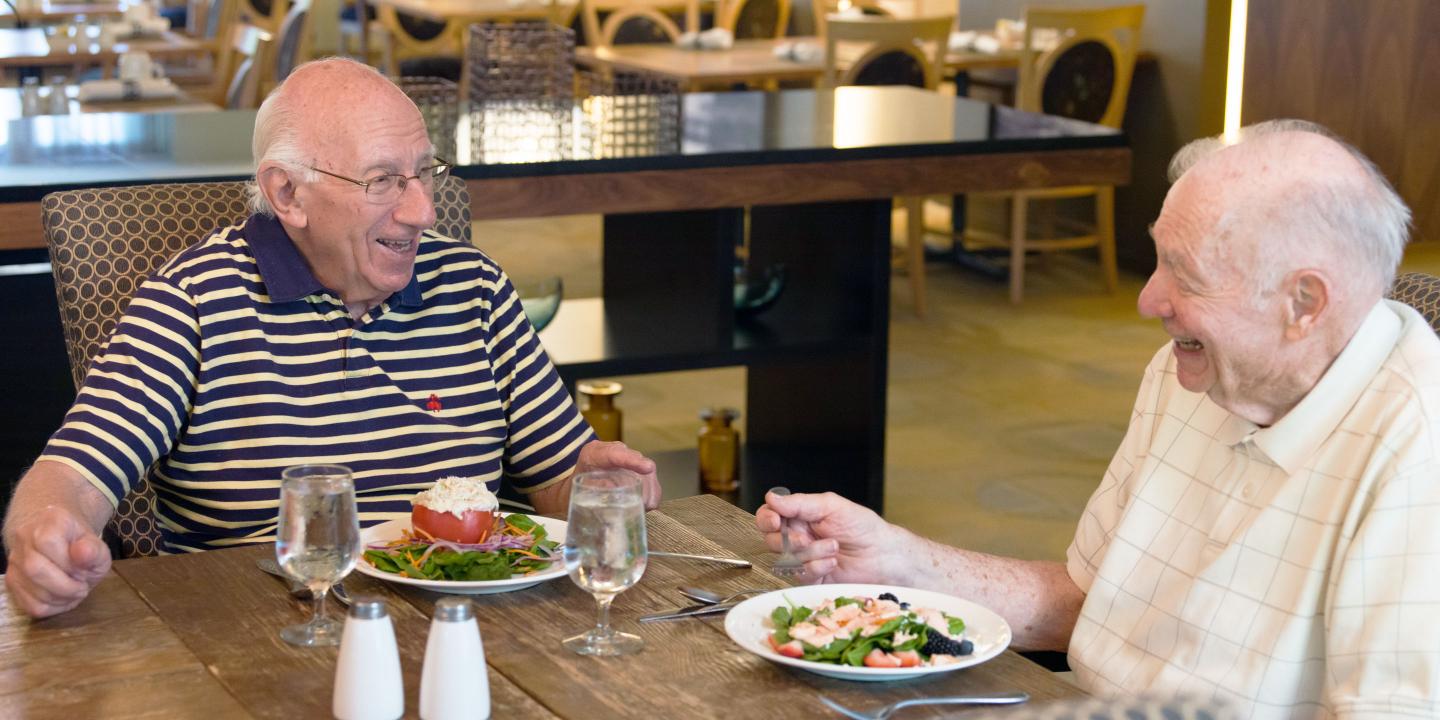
(749, 625)
(391, 530)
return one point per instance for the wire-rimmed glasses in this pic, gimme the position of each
(317, 541)
(388, 187)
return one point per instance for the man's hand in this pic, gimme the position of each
(55, 559)
(601, 455)
(839, 540)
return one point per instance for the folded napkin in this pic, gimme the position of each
(112, 90)
(987, 44)
(133, 29)
(799, 52)
(962, 40)
(712, 39)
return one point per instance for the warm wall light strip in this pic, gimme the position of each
(1235, 69)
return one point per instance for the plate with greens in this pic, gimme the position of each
(867, 632)
(524, 551)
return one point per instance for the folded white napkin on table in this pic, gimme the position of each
(131, 29)
(712, 39)
(961, 40)
(799, 52)
(112, 90)
(987, 44)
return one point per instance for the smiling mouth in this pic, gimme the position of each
(1191, 345)
(399, 246)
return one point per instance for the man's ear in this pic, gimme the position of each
(275, 182)
(1307, 297)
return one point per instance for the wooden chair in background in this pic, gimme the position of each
(636, 21)
(747, 19)
(417, 46)
(823, 10)
(238, 68)
(892, 52)
(1085, 76)
(292, 45)
(264, 14)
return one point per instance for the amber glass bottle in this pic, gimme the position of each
(719, 451)
(598, 407)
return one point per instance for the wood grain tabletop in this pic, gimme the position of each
(198, 636)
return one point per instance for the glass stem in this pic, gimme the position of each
(319, 605)
(602, 619)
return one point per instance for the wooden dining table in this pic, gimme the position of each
(10, 104)
(751, 62)
(28, 47)
(198, 636)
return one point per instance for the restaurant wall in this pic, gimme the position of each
(1175, 97)
(1370, 71)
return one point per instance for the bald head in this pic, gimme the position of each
(1289, 195)
(323, 104)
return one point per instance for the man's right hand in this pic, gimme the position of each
(839, 540)
(55, 558)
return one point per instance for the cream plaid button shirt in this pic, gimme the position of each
(1291, 571)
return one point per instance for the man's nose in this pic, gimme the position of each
(417, 206)
(1154, 301)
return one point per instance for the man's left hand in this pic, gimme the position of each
(601, 455)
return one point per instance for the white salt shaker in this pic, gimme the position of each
(454, 683)
(367, 676)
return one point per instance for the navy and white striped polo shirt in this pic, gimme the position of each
(233, 362)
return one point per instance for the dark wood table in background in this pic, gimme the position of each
(198, 635)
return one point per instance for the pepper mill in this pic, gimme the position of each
(719, 451)
(454, 684)
(599, 408)
(367, 675)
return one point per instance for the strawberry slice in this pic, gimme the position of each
(788, 649)
(880, 659)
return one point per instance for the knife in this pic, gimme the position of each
(692, 611)
(737, 562)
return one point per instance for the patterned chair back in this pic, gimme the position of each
(105, 242)
(1422, 292)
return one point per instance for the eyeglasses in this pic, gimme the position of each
(388, 187)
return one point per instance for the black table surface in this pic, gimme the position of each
(43, 154)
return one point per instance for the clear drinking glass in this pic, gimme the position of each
(318, 541)
(605, 552)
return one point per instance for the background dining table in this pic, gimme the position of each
(11, 104)
(28, 47)
(198, 635)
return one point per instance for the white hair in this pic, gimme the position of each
(1356, 222)
(278, 138)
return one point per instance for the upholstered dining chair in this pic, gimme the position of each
(636, 21)
(892, 52)
(105, 242)
(1422, 292)
(754, 18)
(1084, 75)
(418, 46)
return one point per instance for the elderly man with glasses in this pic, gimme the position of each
(331, 326)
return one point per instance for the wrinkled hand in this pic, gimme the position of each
(55, 559)
(601, 455)
(839, 540)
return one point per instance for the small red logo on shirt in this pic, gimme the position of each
(434, 404)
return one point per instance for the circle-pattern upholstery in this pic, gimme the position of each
(1422, 292)
(105, 242)
(1080, 83)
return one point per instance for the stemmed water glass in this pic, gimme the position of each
(605, 552)
(317, 542)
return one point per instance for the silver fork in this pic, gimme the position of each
(892, 708)
(787, 565)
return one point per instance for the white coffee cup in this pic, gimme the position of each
(137, 66)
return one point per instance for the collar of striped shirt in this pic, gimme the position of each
(284, 271)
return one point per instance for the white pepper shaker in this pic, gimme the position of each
(367, 676)
(454, 684)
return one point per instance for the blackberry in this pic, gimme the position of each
(937, 644)
(889, 596)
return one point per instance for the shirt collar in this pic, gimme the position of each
(283, 269)
(1298, 435)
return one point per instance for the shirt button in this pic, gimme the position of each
(1247, 491)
